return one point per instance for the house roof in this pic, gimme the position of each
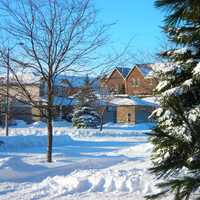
(131, 101)
(152, 99)
(123, 70)
(145, 69)
(71, 101)
(61, 101)
(75, 81)
(27, 78)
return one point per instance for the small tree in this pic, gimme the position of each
(104, 101)
(85, 115)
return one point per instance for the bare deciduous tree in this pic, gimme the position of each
(57, 36)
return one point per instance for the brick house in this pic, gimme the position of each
(115, 82)
(138, 80)
(66, 86)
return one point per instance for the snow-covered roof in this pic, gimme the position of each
(71, 101)
(146, 69)
(23, 78)
(131, 101)
(61, 101)
(153, 99)
(75, 81)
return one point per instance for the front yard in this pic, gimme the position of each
(87, 164)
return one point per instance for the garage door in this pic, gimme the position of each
(142, 116)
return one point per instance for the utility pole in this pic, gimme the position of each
(7, 93)
(8, 87)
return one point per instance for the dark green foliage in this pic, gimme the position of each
(85, 115)
(176, 138)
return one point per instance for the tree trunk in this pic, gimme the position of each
(101, 122)
(49, 120)
(50, 136)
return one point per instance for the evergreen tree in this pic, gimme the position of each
(85, 115)
(176, 138)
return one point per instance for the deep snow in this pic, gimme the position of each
(87, 164)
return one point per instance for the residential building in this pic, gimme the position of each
(120, 109)
(137, 81)
(131, 109)
(20, 107)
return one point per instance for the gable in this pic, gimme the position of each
(123, 71)
(135, 73)
(144, 70)
(115, 75)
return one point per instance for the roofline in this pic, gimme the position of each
(140, 70)
(119, 73)
(146, 103)
(136, 65)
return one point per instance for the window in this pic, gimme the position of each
(129, 117)
(135, 82)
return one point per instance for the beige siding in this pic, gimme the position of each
(19, 105)
(36, 114)
(122, 114)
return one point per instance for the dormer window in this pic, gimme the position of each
(135, 82)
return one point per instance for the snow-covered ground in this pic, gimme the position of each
(87, 164)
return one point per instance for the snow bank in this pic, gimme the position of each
(130, 127)
(20, 141)
(39, 124)
(89, 133)
(114, 168)
(109, 129)
(134, 181)
(126, 177)
(20, 124)
(133, 151)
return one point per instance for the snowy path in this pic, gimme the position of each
(88, 166)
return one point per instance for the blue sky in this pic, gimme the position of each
(137, 19)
